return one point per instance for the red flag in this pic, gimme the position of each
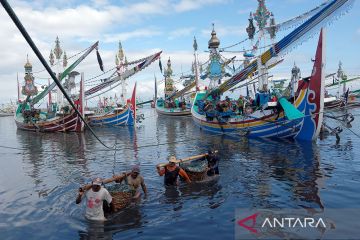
(133, 102)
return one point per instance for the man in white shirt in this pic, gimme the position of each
(94, 200)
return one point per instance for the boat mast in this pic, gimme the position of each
(121, 68)
(55, 55)
(295, 76)
(215, 68)
(169, 87)
(195, 46)
(18, 86)
(261, 16)
(341, 77)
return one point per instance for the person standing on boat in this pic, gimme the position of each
(94, 200)
(213, 163)
(134, 180)
(241, 105)
(171, 173)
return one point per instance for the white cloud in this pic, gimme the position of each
(188, 5)
(124, 36)
(100, 3)
(245, 11)
(181, 32)
(222, 31)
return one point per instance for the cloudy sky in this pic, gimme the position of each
(145, 27)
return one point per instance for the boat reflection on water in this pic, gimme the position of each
(254, 173)
(274, 173)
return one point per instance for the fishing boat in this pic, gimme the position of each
(117, 116)
(7, 110)
(124, 113)
(269, 115)
(344, 98)
(58, 119)
(173, 103)
(300, 120)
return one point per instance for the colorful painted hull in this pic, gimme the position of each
(67, 123)
(122, 118)
(61, 123)
(172, 111)
(125, 117)
(260, 124)
(268, 124)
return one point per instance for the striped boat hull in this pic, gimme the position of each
(172, 111)
(68, 123)
(266, 123)
(123, 118)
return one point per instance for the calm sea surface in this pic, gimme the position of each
(40, 176)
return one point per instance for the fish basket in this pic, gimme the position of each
(121, 194)
(196, 170)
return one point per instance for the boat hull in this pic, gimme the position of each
(67, 123)
(123, 118)
(273, 123)
(172, 111)
(260, 124)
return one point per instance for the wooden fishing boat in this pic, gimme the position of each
(31, 119)
(117, 116)
(333, 103)
(269, 122)
(6, 114)
(61, 123)
(172, 105)
(161, 109)
(54, 120)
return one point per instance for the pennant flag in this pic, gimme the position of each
(160, 65)
(99, 60)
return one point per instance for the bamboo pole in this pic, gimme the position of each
(186, 159)
(105, 181)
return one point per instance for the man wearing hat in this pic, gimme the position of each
(134, 180)
(94, 200)
(171, 172)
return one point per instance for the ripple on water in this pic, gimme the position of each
(43, 175)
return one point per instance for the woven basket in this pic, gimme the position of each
(196, 170)
(121, 194)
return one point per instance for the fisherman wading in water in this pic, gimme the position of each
(134, 180)
(171, 172)
(94, 200)
(213, 163)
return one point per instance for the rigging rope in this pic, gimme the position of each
(29, 40)
(58, 61)
(283, 26)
